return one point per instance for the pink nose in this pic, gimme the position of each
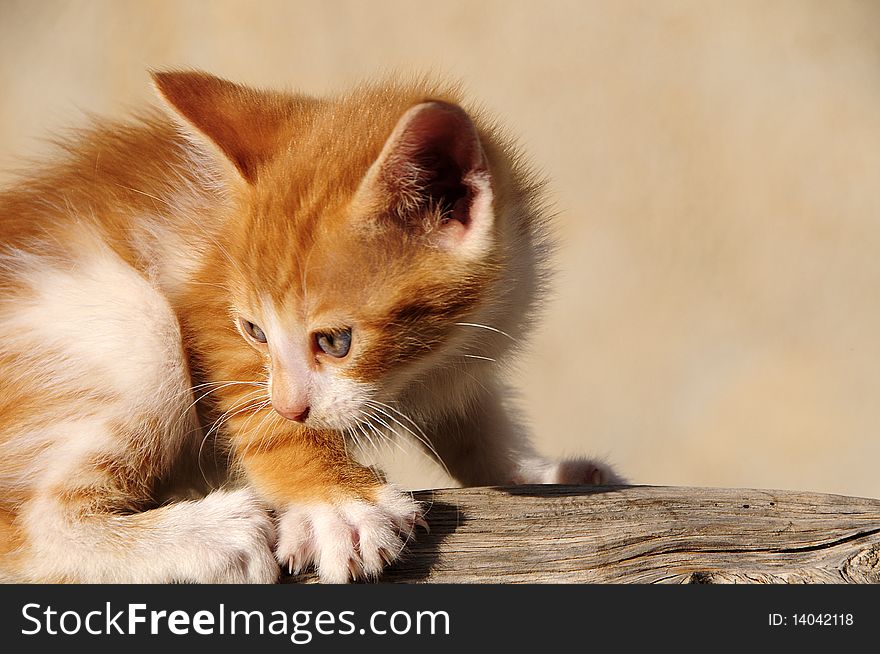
(297, 413)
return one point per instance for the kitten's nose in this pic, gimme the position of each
(289, 383)
(296, 412)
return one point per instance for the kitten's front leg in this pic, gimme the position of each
(332, 512)
(489, 446)
(72, 533)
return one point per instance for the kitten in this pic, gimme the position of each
(259, 279)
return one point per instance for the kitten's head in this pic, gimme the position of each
(365, 242)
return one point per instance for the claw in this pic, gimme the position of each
(294, 566)
(421, 522)
(386, 554)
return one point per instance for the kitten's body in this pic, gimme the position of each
(125, 267)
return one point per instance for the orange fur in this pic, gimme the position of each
(235, 200)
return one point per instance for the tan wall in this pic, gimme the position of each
(716, 167)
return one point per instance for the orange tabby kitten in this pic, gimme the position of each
(275, 275)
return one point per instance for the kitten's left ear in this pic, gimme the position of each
(433, 160)
(243, 124)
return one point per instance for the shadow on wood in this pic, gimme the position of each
(641, 534)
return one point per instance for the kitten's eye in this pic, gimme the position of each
(335, 343)
(253, 331)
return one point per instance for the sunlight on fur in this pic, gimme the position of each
(210, 311)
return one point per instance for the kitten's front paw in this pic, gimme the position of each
(235, 536)
(347, 540)
(574, 472)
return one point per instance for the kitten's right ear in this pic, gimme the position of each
(433, 161)
(240, 123)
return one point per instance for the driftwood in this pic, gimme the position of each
(641, 534)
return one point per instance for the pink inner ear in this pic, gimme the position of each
(443, 129)
(434, 159)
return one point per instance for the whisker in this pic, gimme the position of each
(372, 416)
(250, 398)
(380, 436)
(275, 419)
(257, 409)
(229, 381)
(491, 329)
(355, 438)
(368, 437)
(481, 358)
(421, 436)
(255, 434)
(221, 385)
(345, 438)
(244, 405)
(459, 370)
(401, 414)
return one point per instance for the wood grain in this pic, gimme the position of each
(641, 534)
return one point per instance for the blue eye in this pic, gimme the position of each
(253, 331)
(336, 343)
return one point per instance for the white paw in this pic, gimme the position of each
(575, 472)
(235, 536)
(347, 540)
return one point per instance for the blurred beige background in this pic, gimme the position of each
(715, 165)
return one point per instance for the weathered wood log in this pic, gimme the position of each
(641, 534)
